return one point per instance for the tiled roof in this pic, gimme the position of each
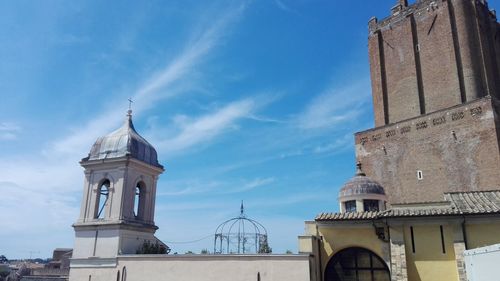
(420, 212)
(459, 203)
(348, 216)
(476, 202)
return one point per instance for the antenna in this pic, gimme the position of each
(33, 252)
(129, 111)
(130, 101)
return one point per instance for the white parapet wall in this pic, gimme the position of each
(483, 264)
(193, 268)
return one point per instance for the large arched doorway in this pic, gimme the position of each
(356, 264)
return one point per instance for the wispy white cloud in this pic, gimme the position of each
(266, 119)
(5, 126)
(255, 183)
(71, 39)
(330, 113)
(27, 211)
(286, 200)
(200, 45)
(280, 4)
(40, 174)
(336, 145)
(293, 153)
(189, 187)
(258, 182)
(198, 186)
(205, 128)
(9, 131)
(191, 206)
(334, 106)
(255, 203)
(158, 86)
(54, 204)
(48, 181)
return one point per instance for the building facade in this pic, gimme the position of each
(432, 55)
(425, 190)
(435, 82)
(415, 241)
(429, 189)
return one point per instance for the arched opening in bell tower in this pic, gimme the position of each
(102, 199)
(139, 200)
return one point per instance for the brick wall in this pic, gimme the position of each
(456, 149)
(432, 55)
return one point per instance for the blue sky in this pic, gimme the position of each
(243, 100)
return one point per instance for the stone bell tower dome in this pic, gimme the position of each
(117, 211)
(125, 141)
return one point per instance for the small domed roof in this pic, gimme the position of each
(361, 184)
(124, 142)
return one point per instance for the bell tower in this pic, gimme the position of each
(117, 211)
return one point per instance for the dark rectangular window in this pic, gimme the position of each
(350, 206)
(370, 205)
(442, 239)
(412, 240)
(95, 241)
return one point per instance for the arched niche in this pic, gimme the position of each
(356, 264)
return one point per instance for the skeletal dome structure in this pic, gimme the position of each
(241, 235)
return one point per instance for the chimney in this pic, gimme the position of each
(372, 24)
(401, 5)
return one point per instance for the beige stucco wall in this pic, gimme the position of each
(337, 237)
(109, 242)
(429, 262)
(194, 268)
(482, 234)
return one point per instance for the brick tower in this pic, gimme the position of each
(436, 88)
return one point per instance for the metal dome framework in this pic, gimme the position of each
(241, 235)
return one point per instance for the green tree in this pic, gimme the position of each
(265, 249)
(4, 272)
(148, 248)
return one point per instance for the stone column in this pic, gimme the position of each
(398, 255)
(359, 205)
(459, 247)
